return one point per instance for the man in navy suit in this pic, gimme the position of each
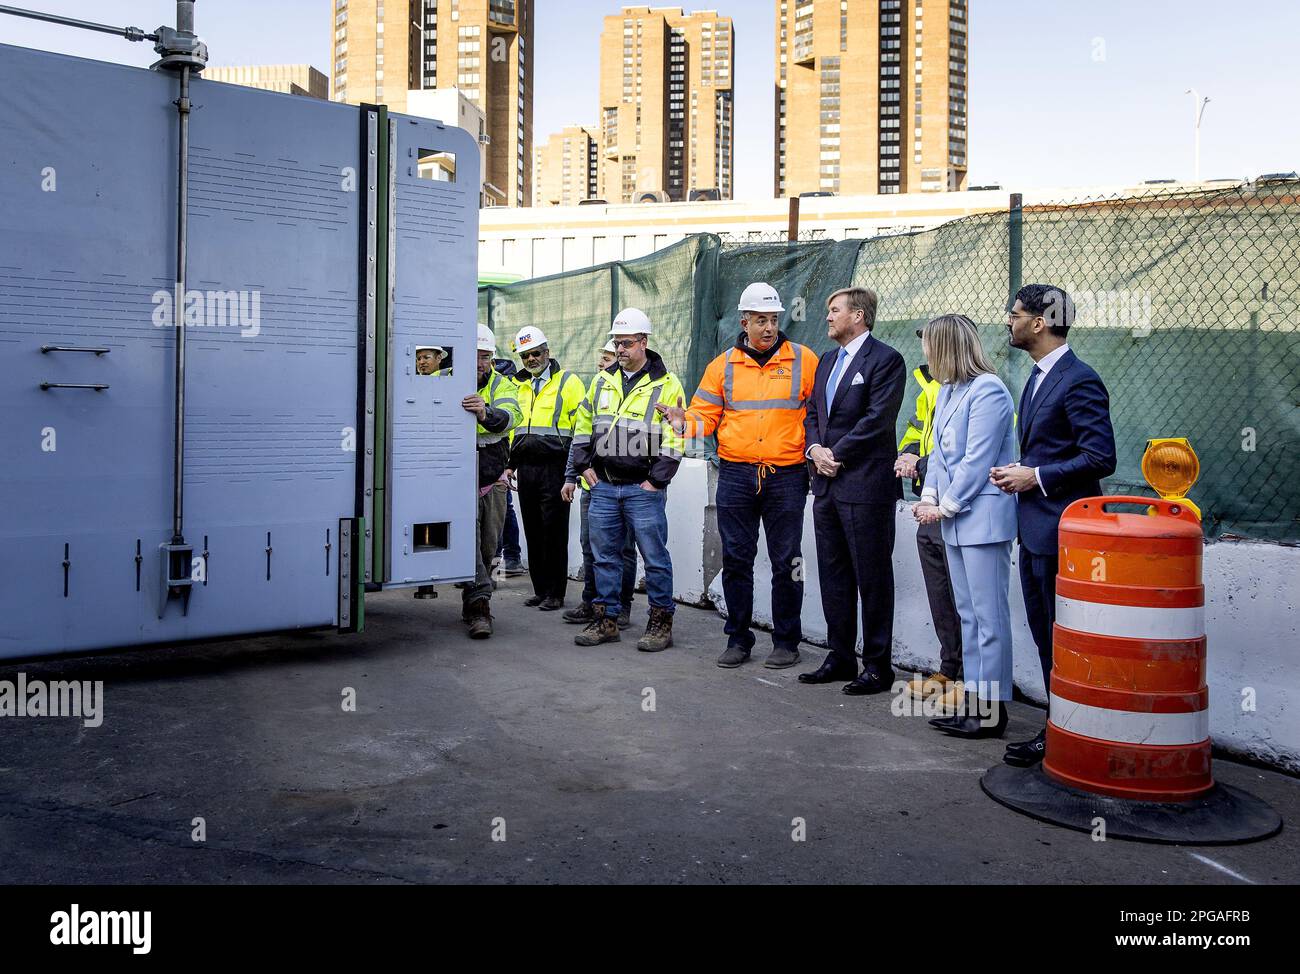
(1067, 446)
(850, 427)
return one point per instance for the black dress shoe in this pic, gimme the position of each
(977, 726)
(551, 604)
(943, 723)
(1025, 754)
(829, 672)
(533, 600)
(867, 684)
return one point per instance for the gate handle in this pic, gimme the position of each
(73, 348)
(97, 386)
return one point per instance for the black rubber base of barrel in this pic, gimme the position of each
(1224, 816)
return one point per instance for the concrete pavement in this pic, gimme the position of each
(547, 746)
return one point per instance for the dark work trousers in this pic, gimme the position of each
(938, 589)
(779, 507)
(589, 559)
(546, 526)
(855, 548)
(1038, 582)
(509, 546)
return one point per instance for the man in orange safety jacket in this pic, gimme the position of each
(754, 396)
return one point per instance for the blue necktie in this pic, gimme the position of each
(1031, 389)
(834, 380)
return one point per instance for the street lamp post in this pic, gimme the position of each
(1198, 109)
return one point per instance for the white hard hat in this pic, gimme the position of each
(487, 342)
(760, 297)
(430, 348)
(529, 338)
(609, 347)
(631, 321)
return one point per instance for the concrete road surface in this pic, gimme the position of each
(525, 758)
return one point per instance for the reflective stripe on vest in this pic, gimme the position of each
(728, 380)
(554, 429)
(485, 438)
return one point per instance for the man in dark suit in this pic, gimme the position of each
(1067, 446)
(851, 427)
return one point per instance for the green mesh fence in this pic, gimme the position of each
(1188, 307)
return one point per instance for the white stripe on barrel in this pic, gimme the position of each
(1127, 726)
(1131, 621)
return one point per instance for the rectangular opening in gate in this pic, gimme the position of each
(432, 360)
(432, 537)
(438, 165)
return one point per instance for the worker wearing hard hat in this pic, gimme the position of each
(628, 454)
(583, 614)
(497, 407)
(429, 359)
(753, 396)
(539, 451)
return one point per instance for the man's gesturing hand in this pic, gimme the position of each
(674, 414)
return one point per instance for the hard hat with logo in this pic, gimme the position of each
(631, 321)
(760, 297)
(487, 342)
(529, 337)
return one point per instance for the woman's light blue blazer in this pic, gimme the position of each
(973, 432)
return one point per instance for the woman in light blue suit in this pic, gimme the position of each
(973, 422)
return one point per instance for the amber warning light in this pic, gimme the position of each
(1171, 468)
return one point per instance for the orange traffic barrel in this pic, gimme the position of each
(1128, 729)
(1128, 711)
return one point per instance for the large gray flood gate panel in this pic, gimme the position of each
(87, 243)
(432, 500)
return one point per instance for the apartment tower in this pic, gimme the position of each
(385, 48)
(568, 168)
(870, 96)
(666, 103)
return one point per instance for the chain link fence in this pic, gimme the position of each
(1188, 307)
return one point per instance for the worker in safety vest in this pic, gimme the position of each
(497, 407)
(913, 456)
(539, 451)
(583, 614)
(628, 454)
(753, 396)
(429, 359)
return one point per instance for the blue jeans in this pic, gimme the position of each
(589, 559)
(779, 506)
(615, 510)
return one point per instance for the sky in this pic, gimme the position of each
(1062, 93)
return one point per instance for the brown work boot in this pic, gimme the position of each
(479, 616)
(601, 629)
(658, 632)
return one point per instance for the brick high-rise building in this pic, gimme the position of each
(870, 96)
(385, 48)
(288, 79)
(567, 168)
(666, 103)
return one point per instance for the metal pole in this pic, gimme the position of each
(1015, 244)
(182, 221)
(130, 33)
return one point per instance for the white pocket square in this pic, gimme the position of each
(857, 380)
